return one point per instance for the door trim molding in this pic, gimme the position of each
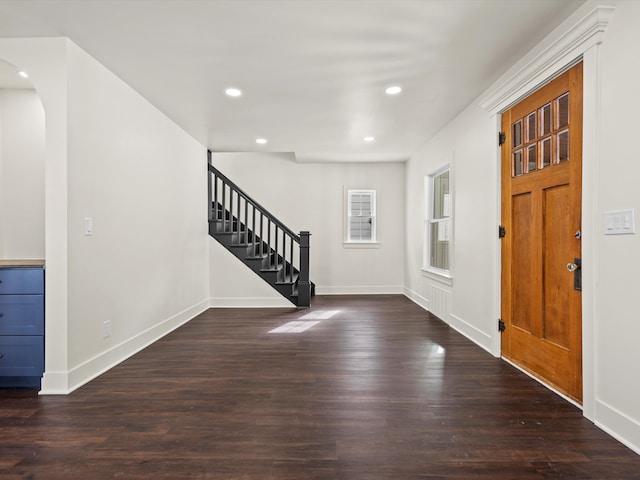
(559, 51)
(577, 38)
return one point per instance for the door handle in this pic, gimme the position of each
(572, 267)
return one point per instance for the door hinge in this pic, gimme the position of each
(502, 138)
(501, 326)
(502, 232)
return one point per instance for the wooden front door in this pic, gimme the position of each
(541, 212)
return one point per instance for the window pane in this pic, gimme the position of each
(360, 228)
(365, 204)
(438, 225)
(355, 207)
(439, 248)
(517, 133)
(361, 215)
(562, 106)
(441, 197)
(361, 204)
(563, 146)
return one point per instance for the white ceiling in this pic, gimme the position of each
(313, 72)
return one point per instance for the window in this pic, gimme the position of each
(438, 221)
(361, 216)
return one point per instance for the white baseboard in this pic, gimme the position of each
(275, 302)
(216, 302)
(620, 426)
(416, 298)
(477, 336)
(474, 334)
(55, 383)
(62, 383)
(360, 290)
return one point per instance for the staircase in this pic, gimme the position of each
(259, 239)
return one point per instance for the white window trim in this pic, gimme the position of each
(438, 275)
(443, 276)
(348, 242)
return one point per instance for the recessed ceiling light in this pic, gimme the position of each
(23, 74)
(393, 90)
(233, 92)
(261, 141)
(369, 139)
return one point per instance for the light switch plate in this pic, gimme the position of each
(88, 226)
(620, 222)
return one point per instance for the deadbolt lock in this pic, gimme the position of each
(576, 268)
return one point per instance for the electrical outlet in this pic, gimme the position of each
(106, 329)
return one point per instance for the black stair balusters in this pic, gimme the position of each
(242, 231)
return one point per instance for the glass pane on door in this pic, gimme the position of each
(545, 146)
(517, 163)
(563, 146)
(532, 158)
(562, 106)
(517, 133)
(545, 120)
(531, 126)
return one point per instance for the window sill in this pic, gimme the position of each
(361, 244)
(438, 275)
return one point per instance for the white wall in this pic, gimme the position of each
(21, 175)
(618, 257)
(143, 182)
(112, 156)
(467, 144)
(311, 197)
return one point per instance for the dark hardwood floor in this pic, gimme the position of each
(380, 390)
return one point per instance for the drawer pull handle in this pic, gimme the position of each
(1, 314)
(1, 355)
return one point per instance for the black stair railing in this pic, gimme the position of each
(267, 240)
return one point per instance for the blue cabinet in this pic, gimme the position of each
(21, 326)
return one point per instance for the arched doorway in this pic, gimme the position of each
(22, 229)
(22, 167)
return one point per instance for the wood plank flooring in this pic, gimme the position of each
(380, 390)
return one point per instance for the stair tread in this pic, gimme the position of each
(271, 269)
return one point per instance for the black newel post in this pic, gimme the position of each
(209, 175)
(304, 286)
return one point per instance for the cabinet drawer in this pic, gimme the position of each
(21, 315)
(21, 281)
(21, 356)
